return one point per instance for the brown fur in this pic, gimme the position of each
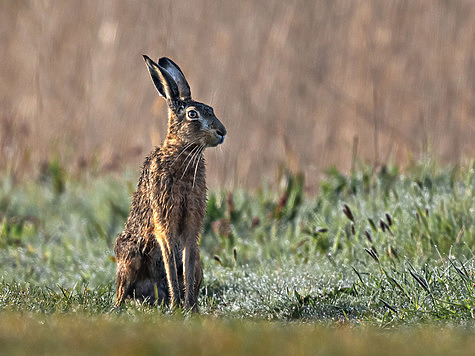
(157, 253)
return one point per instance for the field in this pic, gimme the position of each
(307, 82)
(341, 207)
(371, 253)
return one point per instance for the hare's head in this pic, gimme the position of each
(189, 121)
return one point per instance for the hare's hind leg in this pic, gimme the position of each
(129, 262)
(127, 270)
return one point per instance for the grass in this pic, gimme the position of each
(373, 251)
(208, 336)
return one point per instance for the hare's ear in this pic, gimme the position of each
(177, 75)
(163, 81)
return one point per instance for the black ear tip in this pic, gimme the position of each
(163, 61)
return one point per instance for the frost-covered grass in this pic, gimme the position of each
(375, 249)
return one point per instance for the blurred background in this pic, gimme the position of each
(300, 84)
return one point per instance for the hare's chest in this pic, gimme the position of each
(188, 209)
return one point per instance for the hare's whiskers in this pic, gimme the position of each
(195, 156)
(190, 155)
(191, 159)
(196, 167)
(182, 151)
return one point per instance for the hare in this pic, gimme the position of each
(157, 253)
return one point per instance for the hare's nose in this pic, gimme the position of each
(220, 134)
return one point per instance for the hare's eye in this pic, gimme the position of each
(192, 114)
